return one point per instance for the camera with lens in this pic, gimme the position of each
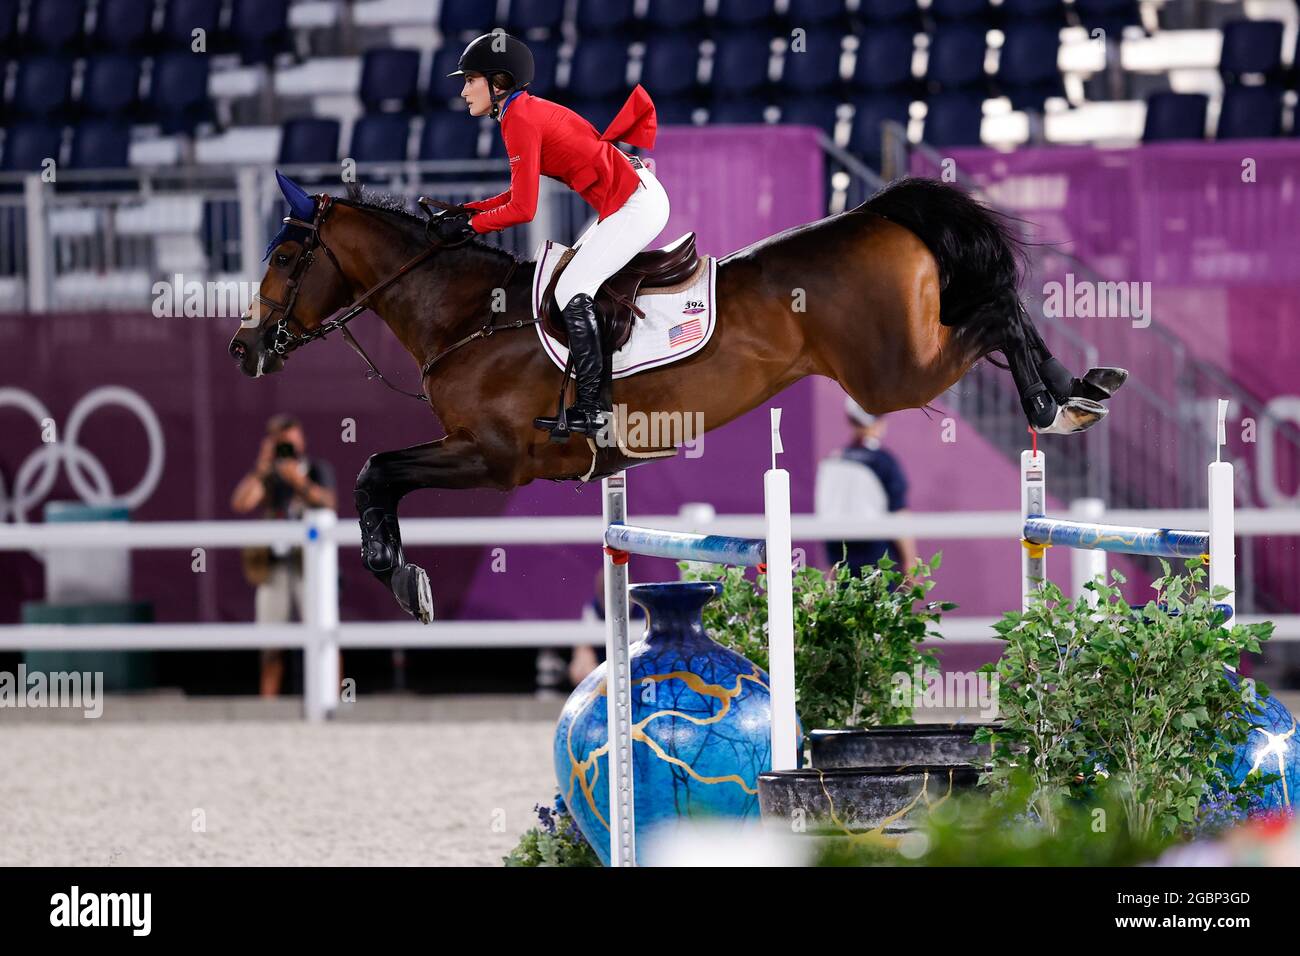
(285, 449)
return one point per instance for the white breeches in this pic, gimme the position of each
(608, 245)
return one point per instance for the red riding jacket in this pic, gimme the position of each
(546, 139)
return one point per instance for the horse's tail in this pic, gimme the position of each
(980, 259)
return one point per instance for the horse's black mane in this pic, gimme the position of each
(394, 205)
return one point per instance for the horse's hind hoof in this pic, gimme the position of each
(1074, 415)
(1099, 384)
(411, 588)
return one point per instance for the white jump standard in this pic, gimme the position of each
(1041, 532)
(771, 552)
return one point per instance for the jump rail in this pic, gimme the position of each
(1215, 546)
(773, 552)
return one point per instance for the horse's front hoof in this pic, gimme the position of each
(1075, 415)
(1099, 384)
(411, 588)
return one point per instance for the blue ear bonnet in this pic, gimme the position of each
(301, 206)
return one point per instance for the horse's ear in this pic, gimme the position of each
(354, 192)
(301, 205)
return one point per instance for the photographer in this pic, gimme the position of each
(283, 483)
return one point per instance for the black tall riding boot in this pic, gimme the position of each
(587, 415)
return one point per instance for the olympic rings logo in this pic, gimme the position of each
(38, 472)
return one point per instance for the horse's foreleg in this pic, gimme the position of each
(381, 485)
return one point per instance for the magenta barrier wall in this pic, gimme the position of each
(1212, 227)
(211, 419)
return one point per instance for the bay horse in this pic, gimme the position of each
(900, 297)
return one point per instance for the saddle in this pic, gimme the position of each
(616, 307)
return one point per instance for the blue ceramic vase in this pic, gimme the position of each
(1272, 747)
(701, 718)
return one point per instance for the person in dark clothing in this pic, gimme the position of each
(284, 482)
(864, 481)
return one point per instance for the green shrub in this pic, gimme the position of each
(1134, 703)
(852, 634)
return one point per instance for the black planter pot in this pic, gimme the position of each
(907, 745)
(855, 799)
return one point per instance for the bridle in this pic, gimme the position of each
(283, 339)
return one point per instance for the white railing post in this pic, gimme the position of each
(618, 685)
(1033, 501)
(320, 615)
(251, 230)
(1086, 564)
(40, 254)
(780, 609)
(1223, 552)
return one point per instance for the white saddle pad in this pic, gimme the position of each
(679, 320)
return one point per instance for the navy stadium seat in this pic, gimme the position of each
(819, 111)
(54, 24)
(100, 144)
(1175, 116)
(603, 16)
(810, 13)
(182, 17)
(740, 63)
(888, 11)
(42, 86)
(28, 145)
(744, 109)
(956, 57)
(670, 15)
(526, 15)
(390, 79)
(1027, 70)
(1251, 46)
(675, 111)
(671, 65)
(884, 57)
(942, 11)
(450, 135)
(1250, 112)
(110, 85)
(599, 68)
(953, 119)
(462, 18)
(743, 14)
(441, 86)
(546, 60)
(817, 67)
(259, 29)
(179, 91)
(1018, 11)
(8, 23)
(380, 138)
(868, 114)
(123, 25)
(1109, 15)
(309, 139)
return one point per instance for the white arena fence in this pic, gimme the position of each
(321, 534)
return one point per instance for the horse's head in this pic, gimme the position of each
(303, 286)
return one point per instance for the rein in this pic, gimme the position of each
(284, 340)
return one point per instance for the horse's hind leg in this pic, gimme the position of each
(1054, 401)
(383, 481)
(1097, 384)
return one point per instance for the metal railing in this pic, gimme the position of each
(101, 239)
(321, 634)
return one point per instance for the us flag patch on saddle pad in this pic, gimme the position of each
(679, 320)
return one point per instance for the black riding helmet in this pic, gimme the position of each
(497, 53)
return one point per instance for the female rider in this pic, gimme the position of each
(545, 139)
